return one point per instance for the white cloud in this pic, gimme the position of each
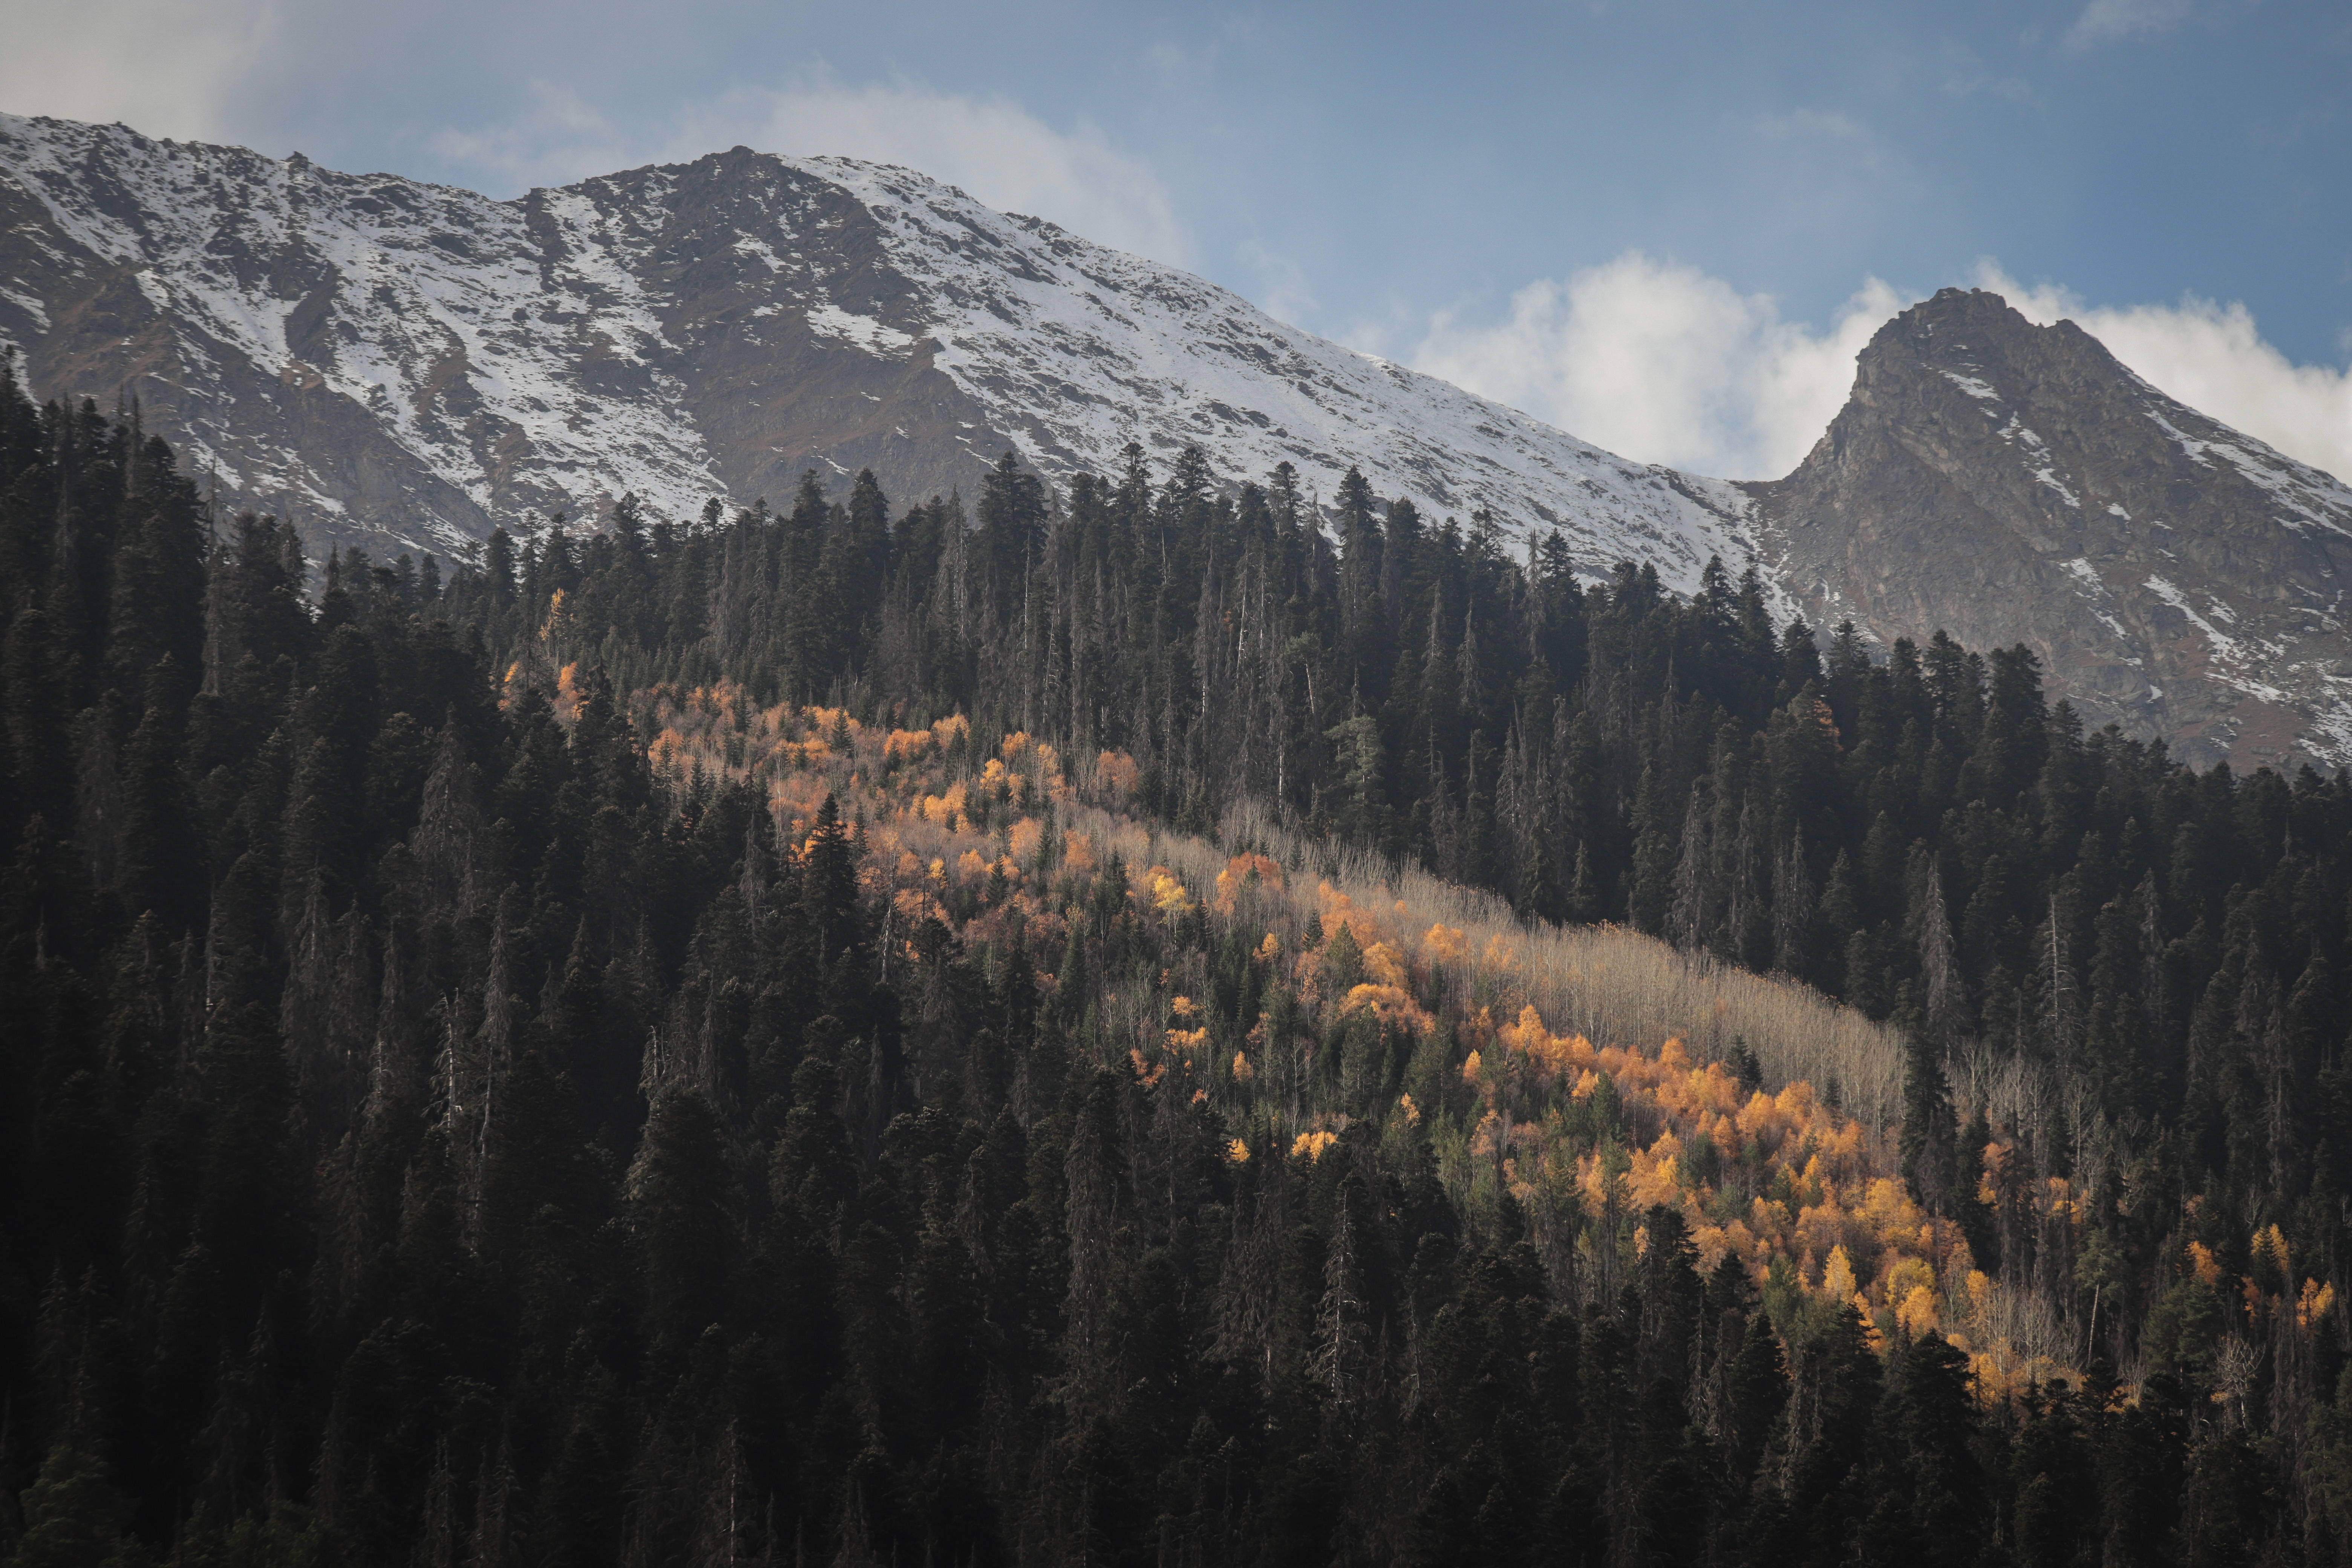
(1667, 363)
(169, 67)
(1823, 136)
(212, 71)
(1810, 122)
(989, 145)
(1965, 75)
(2111, 21)
(2212, 357)
(1663, 363)
(1283, 291)
(555, 137)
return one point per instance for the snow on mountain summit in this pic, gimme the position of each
(380, 356)
(405, 365)
(1077, 347)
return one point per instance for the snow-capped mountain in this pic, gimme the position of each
(385, 359)
(405, 365)
(2012, 483)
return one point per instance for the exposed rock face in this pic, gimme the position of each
(404, 366)
(2011, 483)
(391, 361)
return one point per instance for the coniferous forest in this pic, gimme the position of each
(1143, 1024)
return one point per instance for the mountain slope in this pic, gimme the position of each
(406, 364)
(579, 1120)
(384, 358)
(2013, 483)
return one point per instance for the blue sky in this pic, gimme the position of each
(1666, 225)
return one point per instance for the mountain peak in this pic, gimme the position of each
(404, 364)
(385, 359)
(2008, 482)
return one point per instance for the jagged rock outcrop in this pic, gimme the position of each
(2012, 483)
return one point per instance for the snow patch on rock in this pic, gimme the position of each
(830, 321)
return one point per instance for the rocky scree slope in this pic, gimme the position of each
(2013, 483)
(390, 361)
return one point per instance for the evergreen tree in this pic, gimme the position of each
(497, 1076)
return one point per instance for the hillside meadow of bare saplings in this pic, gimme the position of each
(1117, 1030)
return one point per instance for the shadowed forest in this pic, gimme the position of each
(1134, 1026)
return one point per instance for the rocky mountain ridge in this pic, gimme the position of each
(2011, 483)
(390, 360)
(402, 365)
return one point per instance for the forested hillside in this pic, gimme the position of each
(855, 1037)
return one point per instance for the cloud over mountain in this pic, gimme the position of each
(1666, 362)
